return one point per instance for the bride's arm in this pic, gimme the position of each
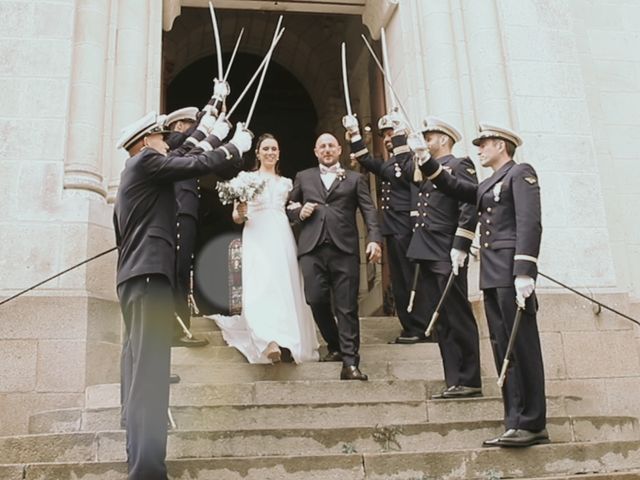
(239, 212)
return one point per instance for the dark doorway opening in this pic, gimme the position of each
(284, 109)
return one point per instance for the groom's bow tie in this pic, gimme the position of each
(332, 169)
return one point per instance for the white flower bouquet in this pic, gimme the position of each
(242, 188)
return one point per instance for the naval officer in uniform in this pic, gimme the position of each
(395, 205)
(144, 221)
(508, 204)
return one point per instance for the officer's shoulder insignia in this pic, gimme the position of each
(531, 180)
(470, 171)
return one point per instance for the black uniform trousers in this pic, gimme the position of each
(523, 391)
(401, 270)
(188, 230)
(456, 326)
(329, 273)
(147, 308)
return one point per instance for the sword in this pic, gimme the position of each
(385, 59)
(192, 299)
(345, 80)
(216, 36)
(436, 313)
(264, 73)
(512, 339)
(388, 82)
(414, 286)
(255, 75)
(183, 326)
(233, 55)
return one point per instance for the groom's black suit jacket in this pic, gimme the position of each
(335, 214)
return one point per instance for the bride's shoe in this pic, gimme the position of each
(273, 352)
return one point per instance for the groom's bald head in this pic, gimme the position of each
(327, 149)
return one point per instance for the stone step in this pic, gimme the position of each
(311, 415)
(285, 392)
(474, 464)
(372, 353)
(632, 475)
(389, 369)
(109, 445)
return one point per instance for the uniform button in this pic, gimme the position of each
(479, 213)
(416, 225)
(486, 245)
(488, 221)
(419, 194)
(177, 224)
(178, 236)
(424, 214)
(178, 247)
(487, 232)
(428, 194)
(422, 225)
(419, 204)
(326, 204)
(489, 209)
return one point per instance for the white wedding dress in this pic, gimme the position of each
(273, 303)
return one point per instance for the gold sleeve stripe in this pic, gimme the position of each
(362, 152)
(527, 258)
(461, 232)
(438, 172)
(356, 138)
(401, 149)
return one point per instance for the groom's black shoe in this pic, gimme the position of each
(410, 339)
(351, 372)
(332, 357)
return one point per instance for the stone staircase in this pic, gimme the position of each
(237, 421)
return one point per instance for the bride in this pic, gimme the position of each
(276, 322)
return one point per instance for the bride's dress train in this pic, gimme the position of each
(273, 304)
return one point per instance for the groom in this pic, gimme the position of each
(328, 249)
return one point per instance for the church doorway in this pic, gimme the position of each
(301, 97)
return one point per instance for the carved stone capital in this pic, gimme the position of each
(377, 14)
(170, 11)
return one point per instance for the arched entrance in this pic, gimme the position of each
(301, 97)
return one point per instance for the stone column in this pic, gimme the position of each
(129, 77)
(486, 58)
(83, 162)
(439, 64)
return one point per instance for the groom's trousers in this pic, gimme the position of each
(147, 309)
(330, 273)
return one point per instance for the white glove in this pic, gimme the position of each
(221, 128)
(350, 124)
(242, 138)
(418, 145)
(207, 122)
(525, 286)
(399, 125)
(220, 89)
(457, 259)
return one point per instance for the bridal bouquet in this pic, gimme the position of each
(242, 188)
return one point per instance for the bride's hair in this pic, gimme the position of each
(262, 138)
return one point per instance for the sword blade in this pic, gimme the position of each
(255, 75)
(264, 73)
(216, 36)
(385, 59)
(436, 313)
(233, 55)
(388, 83)
(345, 80)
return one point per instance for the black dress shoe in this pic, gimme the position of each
(410, 339)
(185, 341)
(460, 391)
(523, 438)
(332, 357)
(493, 442)
(351, 372)
(173, 378)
